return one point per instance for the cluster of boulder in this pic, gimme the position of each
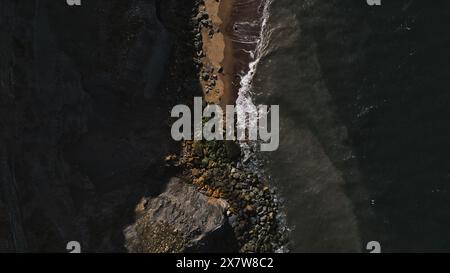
(209, 78)
(200, 22)
(213, 167)
(208, 74)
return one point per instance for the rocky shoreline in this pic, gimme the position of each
(214, 168)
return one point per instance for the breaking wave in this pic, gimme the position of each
(252, 159)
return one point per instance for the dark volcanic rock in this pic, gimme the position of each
(180, 220)
(84, 97)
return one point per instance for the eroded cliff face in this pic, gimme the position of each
(84, 100)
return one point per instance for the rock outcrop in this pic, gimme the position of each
(84, 97)
(181, 219)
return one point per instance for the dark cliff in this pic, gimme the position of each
(85, 94)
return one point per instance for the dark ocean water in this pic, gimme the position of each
(364, 113)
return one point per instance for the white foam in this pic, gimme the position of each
(245, 104)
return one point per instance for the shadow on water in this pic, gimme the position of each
(364, 142)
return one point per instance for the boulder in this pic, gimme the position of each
(181, 219)
(233, 150)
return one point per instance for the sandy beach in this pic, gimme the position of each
(218, 53)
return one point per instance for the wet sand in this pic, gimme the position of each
(244, 33)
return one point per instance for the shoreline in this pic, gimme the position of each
(225, 36)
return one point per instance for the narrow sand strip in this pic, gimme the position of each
(218, 53)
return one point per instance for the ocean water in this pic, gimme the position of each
(364, 135)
